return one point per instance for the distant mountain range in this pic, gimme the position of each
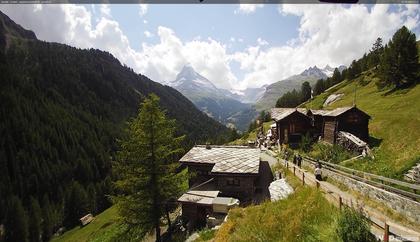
(220, 104)
(276, 90)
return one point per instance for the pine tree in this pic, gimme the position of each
(319, 87)
(146, 168)
(35, 221)
(77, 204)
(305, 91)
(375, 53)
(16, 224)
(47, 223)
(399, 62)
(336, 77)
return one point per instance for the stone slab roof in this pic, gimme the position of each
(226, 159)
(280, 113)
(202, 197)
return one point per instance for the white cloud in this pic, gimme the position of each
(143, 9)
(262, 42)
(145, 21)
(105, 10)
(328, 34)
(232, 39)
(248, 8)
(148, 34)
(164, 60)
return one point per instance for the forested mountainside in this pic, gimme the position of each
(62, 111)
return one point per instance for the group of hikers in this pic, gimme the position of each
(297, 160)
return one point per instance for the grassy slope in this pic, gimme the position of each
(101, 229)
(304, 216)
(395, 123)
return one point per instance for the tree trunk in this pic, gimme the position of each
(157, 229)
(168, 217)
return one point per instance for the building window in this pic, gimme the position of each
(233, 182)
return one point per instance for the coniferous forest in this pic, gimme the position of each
(62, 113)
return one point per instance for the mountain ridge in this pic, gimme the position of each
(220, 104)
(275, 90)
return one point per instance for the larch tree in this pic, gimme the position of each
(147, 180)
(16, 224)
(399, 62)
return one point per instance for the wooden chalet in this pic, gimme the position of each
(347, 119)
(292, 123)
(235, 169)
(220, 177)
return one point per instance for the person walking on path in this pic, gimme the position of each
(318, 172)
(299, 161)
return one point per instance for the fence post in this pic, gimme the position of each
(303, 178)
(386, 233)
(294, 170)
(287, 165)
(317, 184)
(340, 202)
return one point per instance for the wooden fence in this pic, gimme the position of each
(385, 183)
(387, 227)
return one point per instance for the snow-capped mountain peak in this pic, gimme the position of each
(189, 77)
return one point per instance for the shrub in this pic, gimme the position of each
(352, 226)
(305, 143)
(331, 153)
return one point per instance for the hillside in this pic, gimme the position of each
(393, 127)
(275, 90)
(62, 112)
(305, 215)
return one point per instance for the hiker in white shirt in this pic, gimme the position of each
(318, 173)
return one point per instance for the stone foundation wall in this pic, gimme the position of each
(402, 205)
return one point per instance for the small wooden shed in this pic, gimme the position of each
(291, 124)
(348, 119)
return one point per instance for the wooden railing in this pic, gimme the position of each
(388, 227)
(372, 179)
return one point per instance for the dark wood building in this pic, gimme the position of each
(292, 123)
(218, 171)
(348, 119)
(234, 169)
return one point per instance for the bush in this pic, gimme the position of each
(331, 153)
(352, 226)
(305, 143)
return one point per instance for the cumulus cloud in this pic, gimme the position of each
(164, 60)
(262, 42)
(105, 10)
(328, 34)
(148, 34)
(247, 8)
(143, 9)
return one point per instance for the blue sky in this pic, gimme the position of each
(216, 21)
(234, 46)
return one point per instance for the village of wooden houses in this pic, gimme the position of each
(199, 140)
